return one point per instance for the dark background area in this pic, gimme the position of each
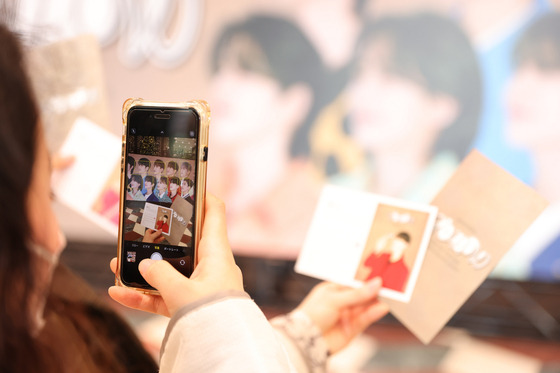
(498, 308)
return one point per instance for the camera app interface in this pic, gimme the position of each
(159, 206)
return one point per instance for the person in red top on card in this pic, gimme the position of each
(390, 265)
(161, 223)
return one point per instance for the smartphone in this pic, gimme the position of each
(163, 186)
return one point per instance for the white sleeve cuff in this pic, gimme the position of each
(306, 337)
(224, 334)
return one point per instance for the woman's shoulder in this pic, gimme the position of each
(90, 335)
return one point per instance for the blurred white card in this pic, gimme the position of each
(355, 236)
(96, 152)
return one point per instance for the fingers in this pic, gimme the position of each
(215, 217)
(345, 297)
(360, 319)
(374, 313)
(139, 301)
(214, 242)
(113, 265)
(135, 299)
(346, 321)
(162, 276)
(62, 162)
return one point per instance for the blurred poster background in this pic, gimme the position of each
(382, 95)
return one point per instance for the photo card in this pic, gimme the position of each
(157, 217)
(356, 236)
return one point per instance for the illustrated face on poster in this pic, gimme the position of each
(356, 236)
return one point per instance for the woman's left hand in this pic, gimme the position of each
(341, 312)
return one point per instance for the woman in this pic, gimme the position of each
(46, 326)
(75, 333)
(413, 104)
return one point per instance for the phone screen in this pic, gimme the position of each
(160, 166)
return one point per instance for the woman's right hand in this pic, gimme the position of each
(215, 272)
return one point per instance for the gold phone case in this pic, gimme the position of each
(203, 110)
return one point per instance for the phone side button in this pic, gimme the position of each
(205, 155)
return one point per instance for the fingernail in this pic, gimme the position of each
(144, 265)
(374, 285)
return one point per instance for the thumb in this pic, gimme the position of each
(355, 296)
(161, 275)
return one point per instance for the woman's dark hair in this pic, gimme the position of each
(19, 115)
(540, 43)
(174, 180)
(164, 180)
(22, 349)
(435, 53)
(283, 53)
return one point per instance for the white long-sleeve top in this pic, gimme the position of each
(228, 332)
